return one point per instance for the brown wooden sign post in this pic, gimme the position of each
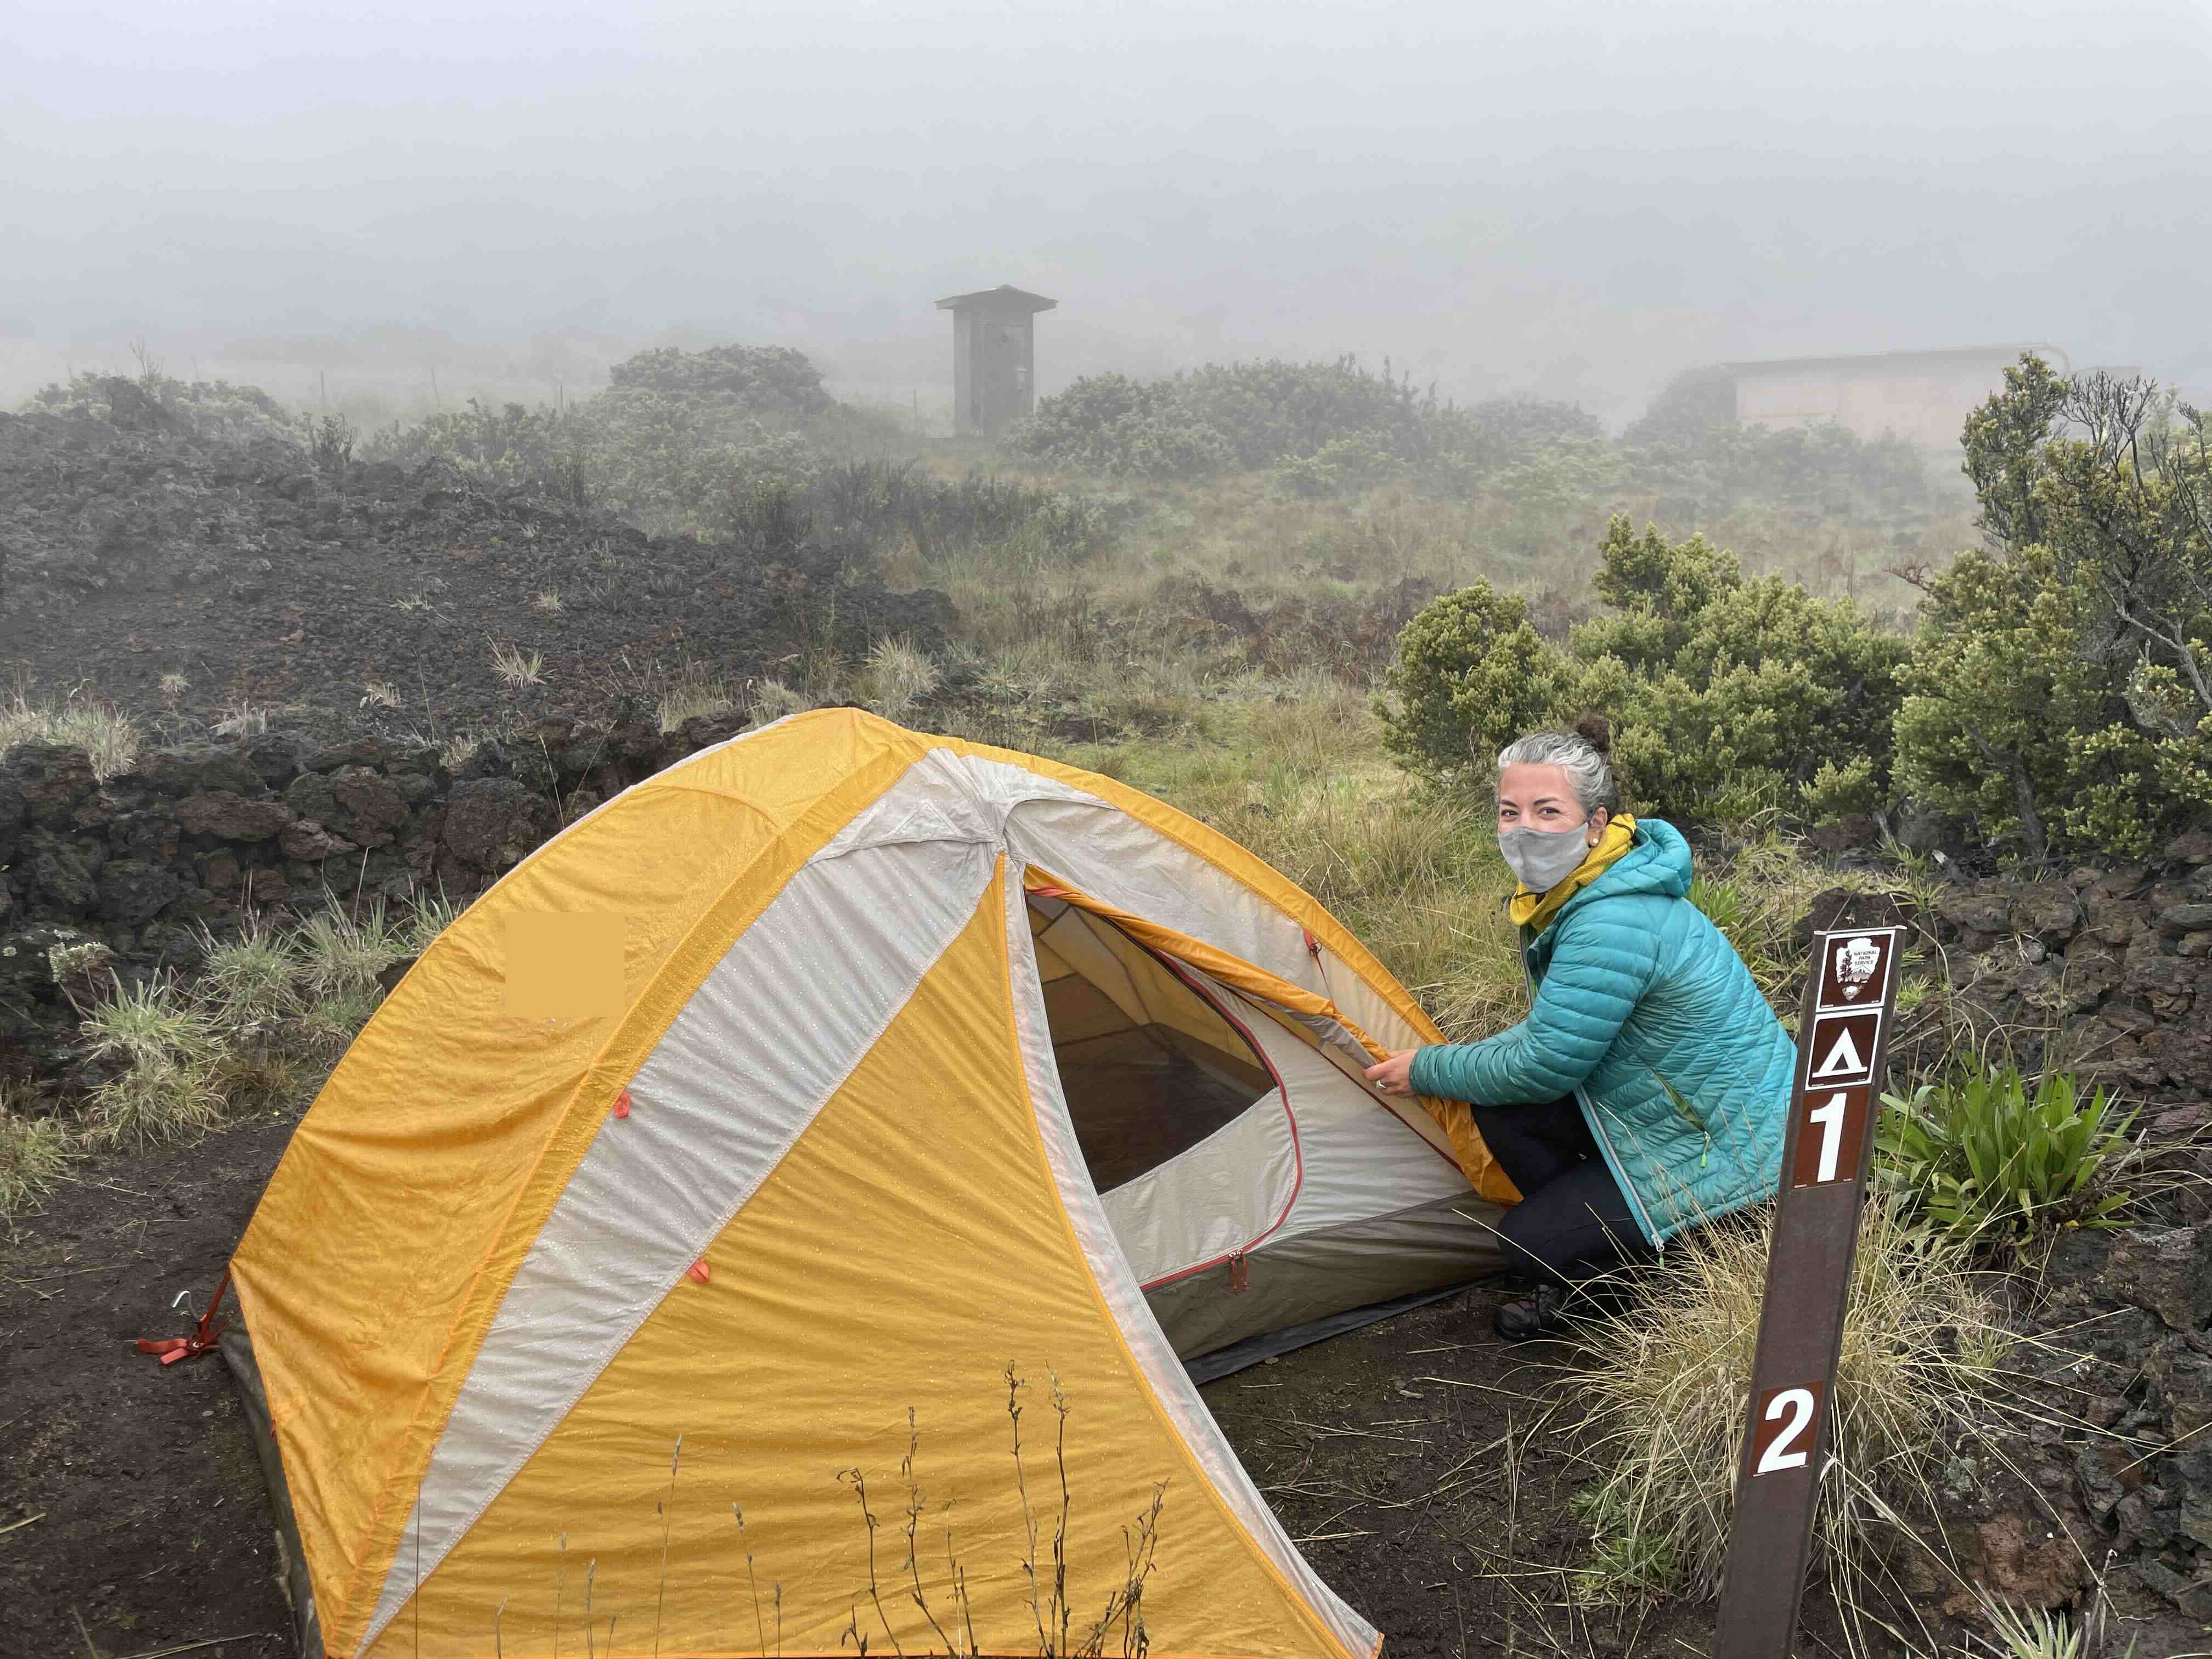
(1826, 1154)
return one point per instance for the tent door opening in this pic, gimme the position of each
(1151, 1064)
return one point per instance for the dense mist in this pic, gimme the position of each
(1577, 199)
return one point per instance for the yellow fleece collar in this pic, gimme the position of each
(1536, 910)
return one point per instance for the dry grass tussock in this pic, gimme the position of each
(689, 699)
(33, 1153)
(1664, 1383)
(516, 666)
(107, 734)
(898, 677)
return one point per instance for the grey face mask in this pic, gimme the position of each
(1543, 858)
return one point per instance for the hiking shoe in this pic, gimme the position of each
(1540, 1313)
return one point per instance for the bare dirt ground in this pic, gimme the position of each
(1419, 1462)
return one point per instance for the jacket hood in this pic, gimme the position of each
(1658, 861)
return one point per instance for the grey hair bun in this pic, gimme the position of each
(1584, 754)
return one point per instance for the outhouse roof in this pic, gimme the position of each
(1005, 297)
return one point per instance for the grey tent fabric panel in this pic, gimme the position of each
(237, 1349)
(1306, 1277)
(1269, 1344)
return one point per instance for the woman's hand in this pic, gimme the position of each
(1394, 1076)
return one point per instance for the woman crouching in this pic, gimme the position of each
(1645, 1090)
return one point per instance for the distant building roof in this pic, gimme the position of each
(1005, 297)
(1875, 362)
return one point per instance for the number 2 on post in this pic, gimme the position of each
(1791, 1447)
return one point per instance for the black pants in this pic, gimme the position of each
(1572, 1223)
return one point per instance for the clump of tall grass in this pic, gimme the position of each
(898, 677)
(516, 666)
(1665, 1382)
(773, 700)
(34, 1153)
(160, 1054)
(171, 1056)
(689, 699)
(106, 735)
(251, 978)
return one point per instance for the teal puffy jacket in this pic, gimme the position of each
(1645, 1013)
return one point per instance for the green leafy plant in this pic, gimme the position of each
(2060, 689)
(1730, 695)
(1985, 1161)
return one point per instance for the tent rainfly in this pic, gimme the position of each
(817, 1081)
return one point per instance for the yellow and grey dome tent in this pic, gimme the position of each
(808, 1083)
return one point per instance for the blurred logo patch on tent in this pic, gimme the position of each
(563, 965)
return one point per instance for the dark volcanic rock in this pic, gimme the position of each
(132, 891)
(229, 815)
(52, 779)
(2168, 1274)
(255, 579)
(187, 771)
(492, 823)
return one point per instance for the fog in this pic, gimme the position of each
(1578, 199)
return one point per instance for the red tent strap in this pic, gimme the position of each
(202, 1339)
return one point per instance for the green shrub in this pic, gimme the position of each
(1728, 695)
(755, 380)
(507, 447)
(1324, 427)
(209, 410)
(1470, 675)
(1982, 1161)
(2060, 687)
(1689, 406)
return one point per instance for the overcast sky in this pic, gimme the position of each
(1576, 198)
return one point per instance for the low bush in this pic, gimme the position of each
(757, 379)
(206, 410)
(2060, 689)
(1728, 694)
(1985, 1161)
(1323, 428)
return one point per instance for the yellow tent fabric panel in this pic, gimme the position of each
(451, 1119)
(908, 1247)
